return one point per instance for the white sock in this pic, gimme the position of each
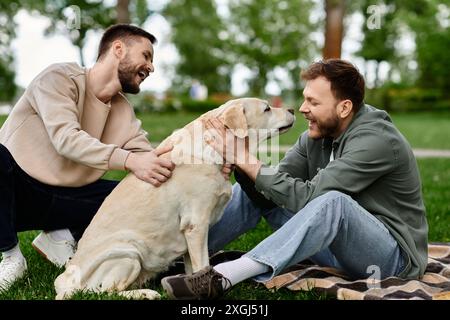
(13, 253)
(239, 270)
(61, 235)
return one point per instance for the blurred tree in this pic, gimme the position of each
(196, 32)
(431, 34)
(265, 34)
(8, 10)
(72, 18)
(432, 38)
(334, 28)
(140, 12)
(381, 32)
(75, 18)
(123, 11)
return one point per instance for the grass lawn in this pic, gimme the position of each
(423, 130)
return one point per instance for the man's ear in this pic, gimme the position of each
(234, 118)
(345, 108)
(118, 48)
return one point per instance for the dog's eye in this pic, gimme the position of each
(267, 109)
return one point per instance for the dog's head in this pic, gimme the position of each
(245, 117)
(245, 114)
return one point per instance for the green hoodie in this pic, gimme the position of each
(374, 164)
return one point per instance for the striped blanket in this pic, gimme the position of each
(435, 284)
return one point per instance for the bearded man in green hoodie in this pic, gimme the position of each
(347, 195)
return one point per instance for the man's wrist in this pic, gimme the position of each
(129, 161)
(117, 159)
(250, 167)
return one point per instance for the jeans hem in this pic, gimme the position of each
(9, 247)
(264, 276)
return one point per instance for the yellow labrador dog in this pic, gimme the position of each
(140, 230)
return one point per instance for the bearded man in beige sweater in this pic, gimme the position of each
(71, 125)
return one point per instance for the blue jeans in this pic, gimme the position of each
(332, 230)
(27, 204)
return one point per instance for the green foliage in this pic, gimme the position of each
(8, 88)
(433, 61)
(431, 34)
(94, 15)
(408, 98)
(8, 10)
(196, 30)
(139, 12)
(265, 34)
(432, 38)
(203, 106)
(262, 35)
(148, 103)
(379, 43)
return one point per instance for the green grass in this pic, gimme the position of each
(422, 130)
(38, 284)
(425, 130)
(435, 174)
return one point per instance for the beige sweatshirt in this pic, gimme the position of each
(61, 134)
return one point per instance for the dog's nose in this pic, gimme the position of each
(291, 111)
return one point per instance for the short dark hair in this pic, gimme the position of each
(124, 32)
(346, 81)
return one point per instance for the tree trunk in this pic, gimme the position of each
(123, 12)
(334, 27)
(377, 77)
(80, 51)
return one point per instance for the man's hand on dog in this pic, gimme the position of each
(150, 167)
(224, 141)
(227, 169)
(234, 150)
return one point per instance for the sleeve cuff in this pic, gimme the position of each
(117, 159)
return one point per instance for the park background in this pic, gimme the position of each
(210, 51)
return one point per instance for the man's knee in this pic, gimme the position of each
(6, 161)
(331, 203)
(336, 195)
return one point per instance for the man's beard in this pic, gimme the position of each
(328, 127)
(127, 77)
(325, 128)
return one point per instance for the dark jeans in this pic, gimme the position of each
(27, 204)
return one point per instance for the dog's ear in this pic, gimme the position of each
(234, 119)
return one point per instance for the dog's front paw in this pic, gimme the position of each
(141, 294)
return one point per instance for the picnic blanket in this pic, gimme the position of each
(435, 284)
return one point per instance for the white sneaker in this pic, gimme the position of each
(57, 252)
(11, 269)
